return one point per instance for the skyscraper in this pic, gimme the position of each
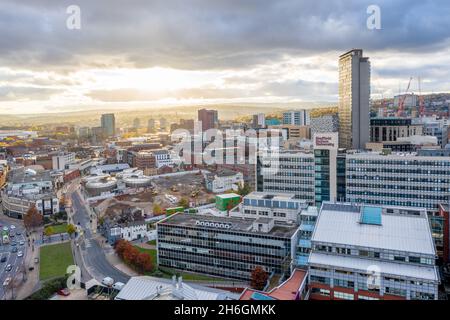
(209, 119)
(108, 122)
(297, 118)
(354, 95)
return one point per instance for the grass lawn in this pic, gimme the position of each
(54, 260)
(152, 242)
(60, 228)
(151, 252)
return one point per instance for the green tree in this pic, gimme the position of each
(157, 210)
(244, 190)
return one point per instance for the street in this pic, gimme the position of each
(11, 258)
(93, 255)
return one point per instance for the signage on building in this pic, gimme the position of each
(326, 140)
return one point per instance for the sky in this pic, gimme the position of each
(138, 53)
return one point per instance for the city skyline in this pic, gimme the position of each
(145, 55)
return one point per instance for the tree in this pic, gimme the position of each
(243, 190)
(48, 231)
(184, 203)
(144, 262)
(71, 229)
(258, 278)
(157, 210)
(32, 219)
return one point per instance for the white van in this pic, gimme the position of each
(118, 286)
(108, 281)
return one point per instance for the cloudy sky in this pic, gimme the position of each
(149, 52)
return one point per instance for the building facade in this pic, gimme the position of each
(372, 253)
(108, 124)
(208, 118)
(354, 95)
(297, 118)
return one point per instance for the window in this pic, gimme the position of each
(395, 291)
(322, 292)
(344, 283)
(398, 258)
(367, 298)
(343, 295)
(320, 279)
(421, 296)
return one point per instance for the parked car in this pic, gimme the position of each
(63, 292)
(118, 286)
(8, 268)
(36, 260)
(30, 268)
(13, 227)
(14, 250)
(21, 243)
(3, 259)
(20, 254)
(13, 243)
(5, 228)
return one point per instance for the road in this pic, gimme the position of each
(11, 258)
(94, 257)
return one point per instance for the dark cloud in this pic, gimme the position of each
(205, 34)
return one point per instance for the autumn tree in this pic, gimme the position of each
(184, 203)
(259, 278)
(48, 231)
(71, 229)
(144, 262)
(157, 210)
(32, 219)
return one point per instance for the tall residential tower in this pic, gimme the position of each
(354, 95)
(108, 122)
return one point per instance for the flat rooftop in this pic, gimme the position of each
(271, 196)
(342, 224)
(244, 225)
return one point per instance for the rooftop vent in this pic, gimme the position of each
(371, 215)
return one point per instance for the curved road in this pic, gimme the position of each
(93, 255)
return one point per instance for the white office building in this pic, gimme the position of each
(372, 253)
(62, 160)
(298, 118)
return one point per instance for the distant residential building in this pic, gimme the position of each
(162, 158)
(108, 124)
(259, 120)
(372, 253)
(151, 125)
(354, 95)
(297, 118)
(209, 119)
(136, 123)
(163, 124)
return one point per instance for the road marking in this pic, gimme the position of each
(87, 243)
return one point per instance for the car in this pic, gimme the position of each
(8, 268)
(36, 260)
(12, 227)
(18, 233)
(30, 268)
(7, 281)
(5, 228)
(13, 243)
(21, 243)
(108, 281)
(14, 250)
(3, 259)
(63, 292)
(20, 254)
(118, 286)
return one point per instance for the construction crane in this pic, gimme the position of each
(401, 100)
(421, 101)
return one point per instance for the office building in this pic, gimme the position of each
(208, 118)
(389, 129)
(60, 161)
(297, 118)
(151, 125)
(308, 218)
(225, 246)
(399, 179)
(372, 253)
(108, 124)
(354, 95)
(324, 123)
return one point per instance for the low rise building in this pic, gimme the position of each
(223, 181)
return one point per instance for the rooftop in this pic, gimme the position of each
(244, 225)
(352, 225)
